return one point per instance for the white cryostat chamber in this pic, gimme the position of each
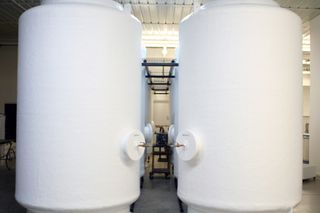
(239, 108)
(79, 87)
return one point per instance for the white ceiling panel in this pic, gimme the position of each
(187, 10)
(153, 9)
(146, 16)
(178, 14)
(170, 15)
(162, 13)
(136, 11)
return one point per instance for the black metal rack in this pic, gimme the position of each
(159, 83)
(163, 152)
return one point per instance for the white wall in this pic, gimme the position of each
(306, 101)
(315, 94)
(306, 106)
(8, 76)
(145, 102)
(156, 52)
(160, 111)
(8, 85)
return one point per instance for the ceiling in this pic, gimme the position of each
(160, 18)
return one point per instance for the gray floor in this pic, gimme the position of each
(311, 197)
(7, 201)
(158, 196)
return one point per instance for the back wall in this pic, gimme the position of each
(8, 75)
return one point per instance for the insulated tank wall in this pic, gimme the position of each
(240, 94)
(79, 94)
(144, 107)
(174, 114)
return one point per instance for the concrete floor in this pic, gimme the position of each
(7, 201)
(157, 196)
(310, 198)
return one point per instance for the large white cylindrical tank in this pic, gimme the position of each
(240, 95)
(143, 85)
(79, 102)
(174, 114)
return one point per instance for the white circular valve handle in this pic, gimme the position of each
(187, 146)
(133, 145)
(148, 132)
(153, 126)
(171, 133)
